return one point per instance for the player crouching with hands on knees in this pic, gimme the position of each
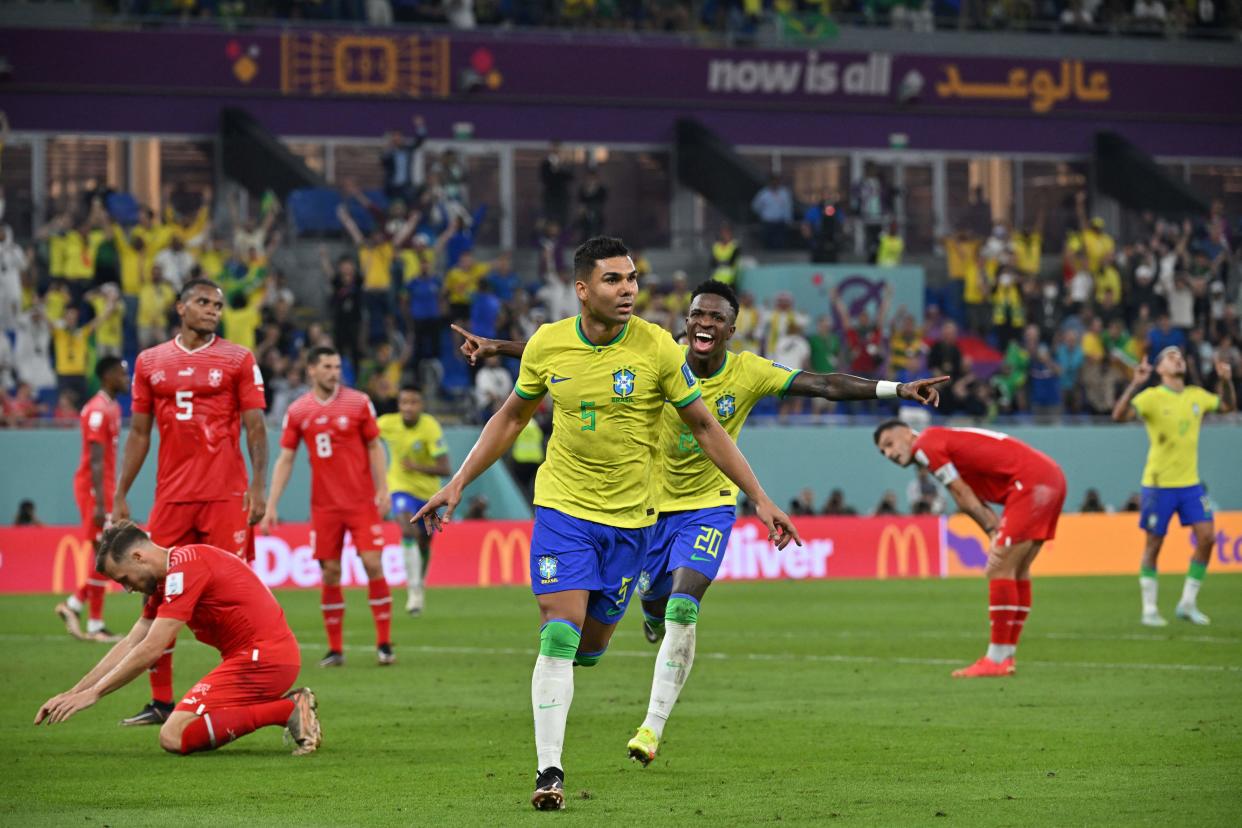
(227, 607)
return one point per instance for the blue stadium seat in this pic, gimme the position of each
(314, 210)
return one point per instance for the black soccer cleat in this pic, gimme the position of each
(334, 658)
(549, 792)
(652, 635)
(155, 713)
(384, 655)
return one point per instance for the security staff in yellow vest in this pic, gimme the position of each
(528, 455)
(725, 254)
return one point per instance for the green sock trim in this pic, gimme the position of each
(1197, 570)
(559, 639)
(681, 611)
(656, 622)
(408, 543)
(1147, 571)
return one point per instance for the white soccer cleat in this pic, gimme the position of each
(1153, 619)
(1192, 614)
(414, 601)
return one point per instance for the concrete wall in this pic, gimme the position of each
(40, 464)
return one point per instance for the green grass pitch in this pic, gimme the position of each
(810, 703)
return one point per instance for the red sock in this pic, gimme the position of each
(1024, 609)
(1002, 603)
(96, 585)
(219, 727)
(161, 676)
(333, 607)
(380, 600)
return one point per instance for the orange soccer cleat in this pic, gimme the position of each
(986, 668)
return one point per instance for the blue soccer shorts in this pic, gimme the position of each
(406, 502)
(572, 553)
(1159, 504)
(694, 539)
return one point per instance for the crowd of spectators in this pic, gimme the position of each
(740, 18)
(1018, 336)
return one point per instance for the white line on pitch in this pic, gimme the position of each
(1027, 636)
(791, 657)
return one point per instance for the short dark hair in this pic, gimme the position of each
(594, 249)
(314, 354)
(106, 364)
(411, 387)
(718, 288)
(116, 540)
(885, 426)
(196, 282)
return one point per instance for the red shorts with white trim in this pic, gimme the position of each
(1032, 511)
(328, 532)
(238, 682)
(221, 523)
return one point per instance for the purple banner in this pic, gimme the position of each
(361, 82)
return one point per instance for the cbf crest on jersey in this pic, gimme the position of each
(547, 569)
(623, 381)
(214, 377)
(726, 406)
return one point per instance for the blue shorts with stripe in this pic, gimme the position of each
(694, 539)
(1159, 504)
(406, 502)
(572, 553)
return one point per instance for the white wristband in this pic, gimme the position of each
(885, 390)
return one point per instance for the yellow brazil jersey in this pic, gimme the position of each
(71, 347)
(688, 478)
(376, 261)
(110, 329)
(607, 402)
(1172, 421)
(1026, 250)
(421, 443)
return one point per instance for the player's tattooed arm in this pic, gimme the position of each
(970, 504)
(379, 473)
(256, 443)
(722, 451)
(849, 387)
(137, 444)
(478, 348)
(281, 473)
(1123, 411)
(493, 443)
(1225, 388)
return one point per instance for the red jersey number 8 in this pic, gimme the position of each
(185, 405)
(323, 444)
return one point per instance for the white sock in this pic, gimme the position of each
(1148, 587)
(673, 664)
(1000, 652)
(73, 603)
(413, 565)
(94, 625)
(1190, 592)
(551, 693)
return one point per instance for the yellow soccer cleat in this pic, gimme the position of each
(643, 746)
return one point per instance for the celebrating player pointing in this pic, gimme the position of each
(1173, 412)
(609, 374)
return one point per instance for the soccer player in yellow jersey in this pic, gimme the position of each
(609, 374)
(695, 501)
(1172, 412)
(417, 461)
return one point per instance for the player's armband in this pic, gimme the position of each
(946, 474)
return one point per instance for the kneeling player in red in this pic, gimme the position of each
(979, 467)
(227, 607)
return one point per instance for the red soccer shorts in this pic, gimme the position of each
(239, 682)
(1032, 511)
(221, 523)
(328, 532)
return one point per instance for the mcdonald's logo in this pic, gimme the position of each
(900, 539)
(83, 565)
(512, 550)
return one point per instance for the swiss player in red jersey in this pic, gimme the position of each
(226, 606)
(980, 467)
(348, 490)
(198, 389)
(93, 486)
